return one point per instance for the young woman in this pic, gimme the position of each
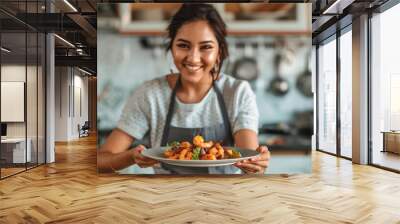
(197, 100)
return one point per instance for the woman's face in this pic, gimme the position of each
(195, 50)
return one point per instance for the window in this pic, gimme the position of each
(385, 89)
(346, 93)
(22, 68)
(327, 96)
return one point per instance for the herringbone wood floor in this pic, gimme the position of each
(70, 191)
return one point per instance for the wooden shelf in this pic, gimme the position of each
(241, 18)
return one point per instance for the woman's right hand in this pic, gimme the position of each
(140, 160)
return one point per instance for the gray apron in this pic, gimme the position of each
(220, 132)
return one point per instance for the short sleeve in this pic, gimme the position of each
(134, 119)
(247, 115)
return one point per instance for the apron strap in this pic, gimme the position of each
(222, 106)
(221, 101)
(170, 113)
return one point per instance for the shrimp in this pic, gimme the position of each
(168, 153)
(189, 156)
(198, 140)
(213, 151)
(208, 157)
(207, 144)
(200, 149)
(185, 145)
(220, 153)
(183, 154)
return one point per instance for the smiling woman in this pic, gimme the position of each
(195, 52)
(198, 100)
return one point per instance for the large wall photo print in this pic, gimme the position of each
(204, 88)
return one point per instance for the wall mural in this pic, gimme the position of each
(277, 67)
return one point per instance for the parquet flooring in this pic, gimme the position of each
(70, 191)
(387, 159)
(9, 171)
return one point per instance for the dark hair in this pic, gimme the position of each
(190, 12)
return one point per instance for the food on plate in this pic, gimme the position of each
(199, 149)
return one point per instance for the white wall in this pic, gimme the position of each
(70, 82)
(61, 103)
(12, 73)
(33, 126)
(80, 109)
(11, 110)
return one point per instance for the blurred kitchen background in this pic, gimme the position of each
(269, 46)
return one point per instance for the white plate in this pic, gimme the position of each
(158, 154)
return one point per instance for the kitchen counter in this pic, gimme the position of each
(391, 141)
(286, 143)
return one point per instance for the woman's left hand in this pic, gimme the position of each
(256, 165)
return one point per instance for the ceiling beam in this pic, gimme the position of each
(49, 22)
(82, 61)
(320, 22)
(337, 7)
(84, 24)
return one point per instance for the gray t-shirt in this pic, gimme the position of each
(146, 110)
